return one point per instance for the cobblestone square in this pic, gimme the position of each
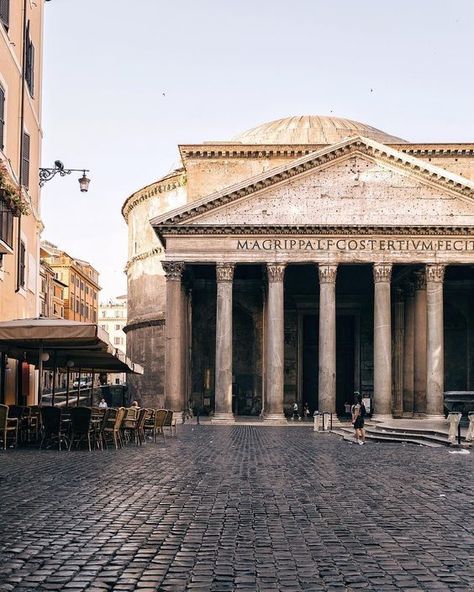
(238, 508)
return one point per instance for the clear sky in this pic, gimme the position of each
(126, 81)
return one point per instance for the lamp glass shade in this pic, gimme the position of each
(70, 363)
(84, 183)
(44, 357)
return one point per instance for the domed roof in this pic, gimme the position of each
(312, 129)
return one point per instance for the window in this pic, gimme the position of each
(25, 161)
(117, 314)
(104, 314)
(87, 289)
(118, 327)
(22, 265)
(5, 13)
(94, 316)
(6, 223)
(2, 115)
(117, 340)
(29, 62)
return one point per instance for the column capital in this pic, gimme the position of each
(276, 272)
(225, 272)
(420, 279)
(327, 273)
(173, 269)
(382, 272)
(435, 273)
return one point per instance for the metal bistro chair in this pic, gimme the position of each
(8, 425)
(82, 427)
(51, 426)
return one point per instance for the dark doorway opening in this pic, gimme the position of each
(345, 360)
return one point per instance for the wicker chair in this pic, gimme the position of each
(51, 426)
(129, 422)
(137, 432)
(8, 425)
(170, 422)
(111, 428)
(160, 417)
(149, 425)
(82, 428)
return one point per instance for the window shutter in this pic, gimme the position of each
(25, 170)
(5, 13)
(22, 264)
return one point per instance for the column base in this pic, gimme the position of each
(380, 417)
(223, 418)
(275, 418)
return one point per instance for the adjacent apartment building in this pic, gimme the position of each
(113, 318)
(21, 38)
(80, 281)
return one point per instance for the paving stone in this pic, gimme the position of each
(236, 508)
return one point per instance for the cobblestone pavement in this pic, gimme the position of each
(238, 508)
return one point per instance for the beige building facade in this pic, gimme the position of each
(21, 40)
(307, 259)
(81, 281)
(113, 319)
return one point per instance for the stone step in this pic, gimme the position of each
(377, 436)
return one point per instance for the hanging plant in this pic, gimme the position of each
(11, 193)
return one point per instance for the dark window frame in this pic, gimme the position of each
(25, 160)
(5, 13)
(29, 62)
(6, 223)
(22, 266)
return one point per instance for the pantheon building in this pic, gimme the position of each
(305, 259)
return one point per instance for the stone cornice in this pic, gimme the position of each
(141, 256)
(159, 322)
(237, 150)
(168, 183)
(310, 229)
(433, 175)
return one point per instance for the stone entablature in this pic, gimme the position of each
(344, 247)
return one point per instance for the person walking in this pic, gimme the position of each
(296, 415)
(358, 415)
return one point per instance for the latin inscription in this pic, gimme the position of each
(355, 244)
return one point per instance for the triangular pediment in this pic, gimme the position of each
(355, 182)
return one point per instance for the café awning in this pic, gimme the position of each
(85, 345)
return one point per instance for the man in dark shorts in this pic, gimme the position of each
(358, 414)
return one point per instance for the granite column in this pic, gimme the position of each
(275, 347)
(174, 370)
(223, 395)
(435, 342)
(419, 406)
(409, 350)
(382, 342)
(327, 338)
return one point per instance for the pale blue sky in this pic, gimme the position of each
(405, 67)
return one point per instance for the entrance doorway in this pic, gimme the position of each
(345, 360)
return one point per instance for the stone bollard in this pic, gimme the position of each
(453, 420)
(470, 429)
(316, 421)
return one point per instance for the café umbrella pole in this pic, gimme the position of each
(40, 373)
(53, 390)
(78, 387)
(67, 385)
(92, 389)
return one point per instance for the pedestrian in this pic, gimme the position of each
(103, 404)
(358, 415)
(306, 411)
(296, 415)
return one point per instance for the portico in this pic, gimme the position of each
(361, 307)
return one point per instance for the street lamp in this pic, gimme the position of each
(48, 174)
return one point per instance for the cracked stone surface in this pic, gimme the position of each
(238, 508)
